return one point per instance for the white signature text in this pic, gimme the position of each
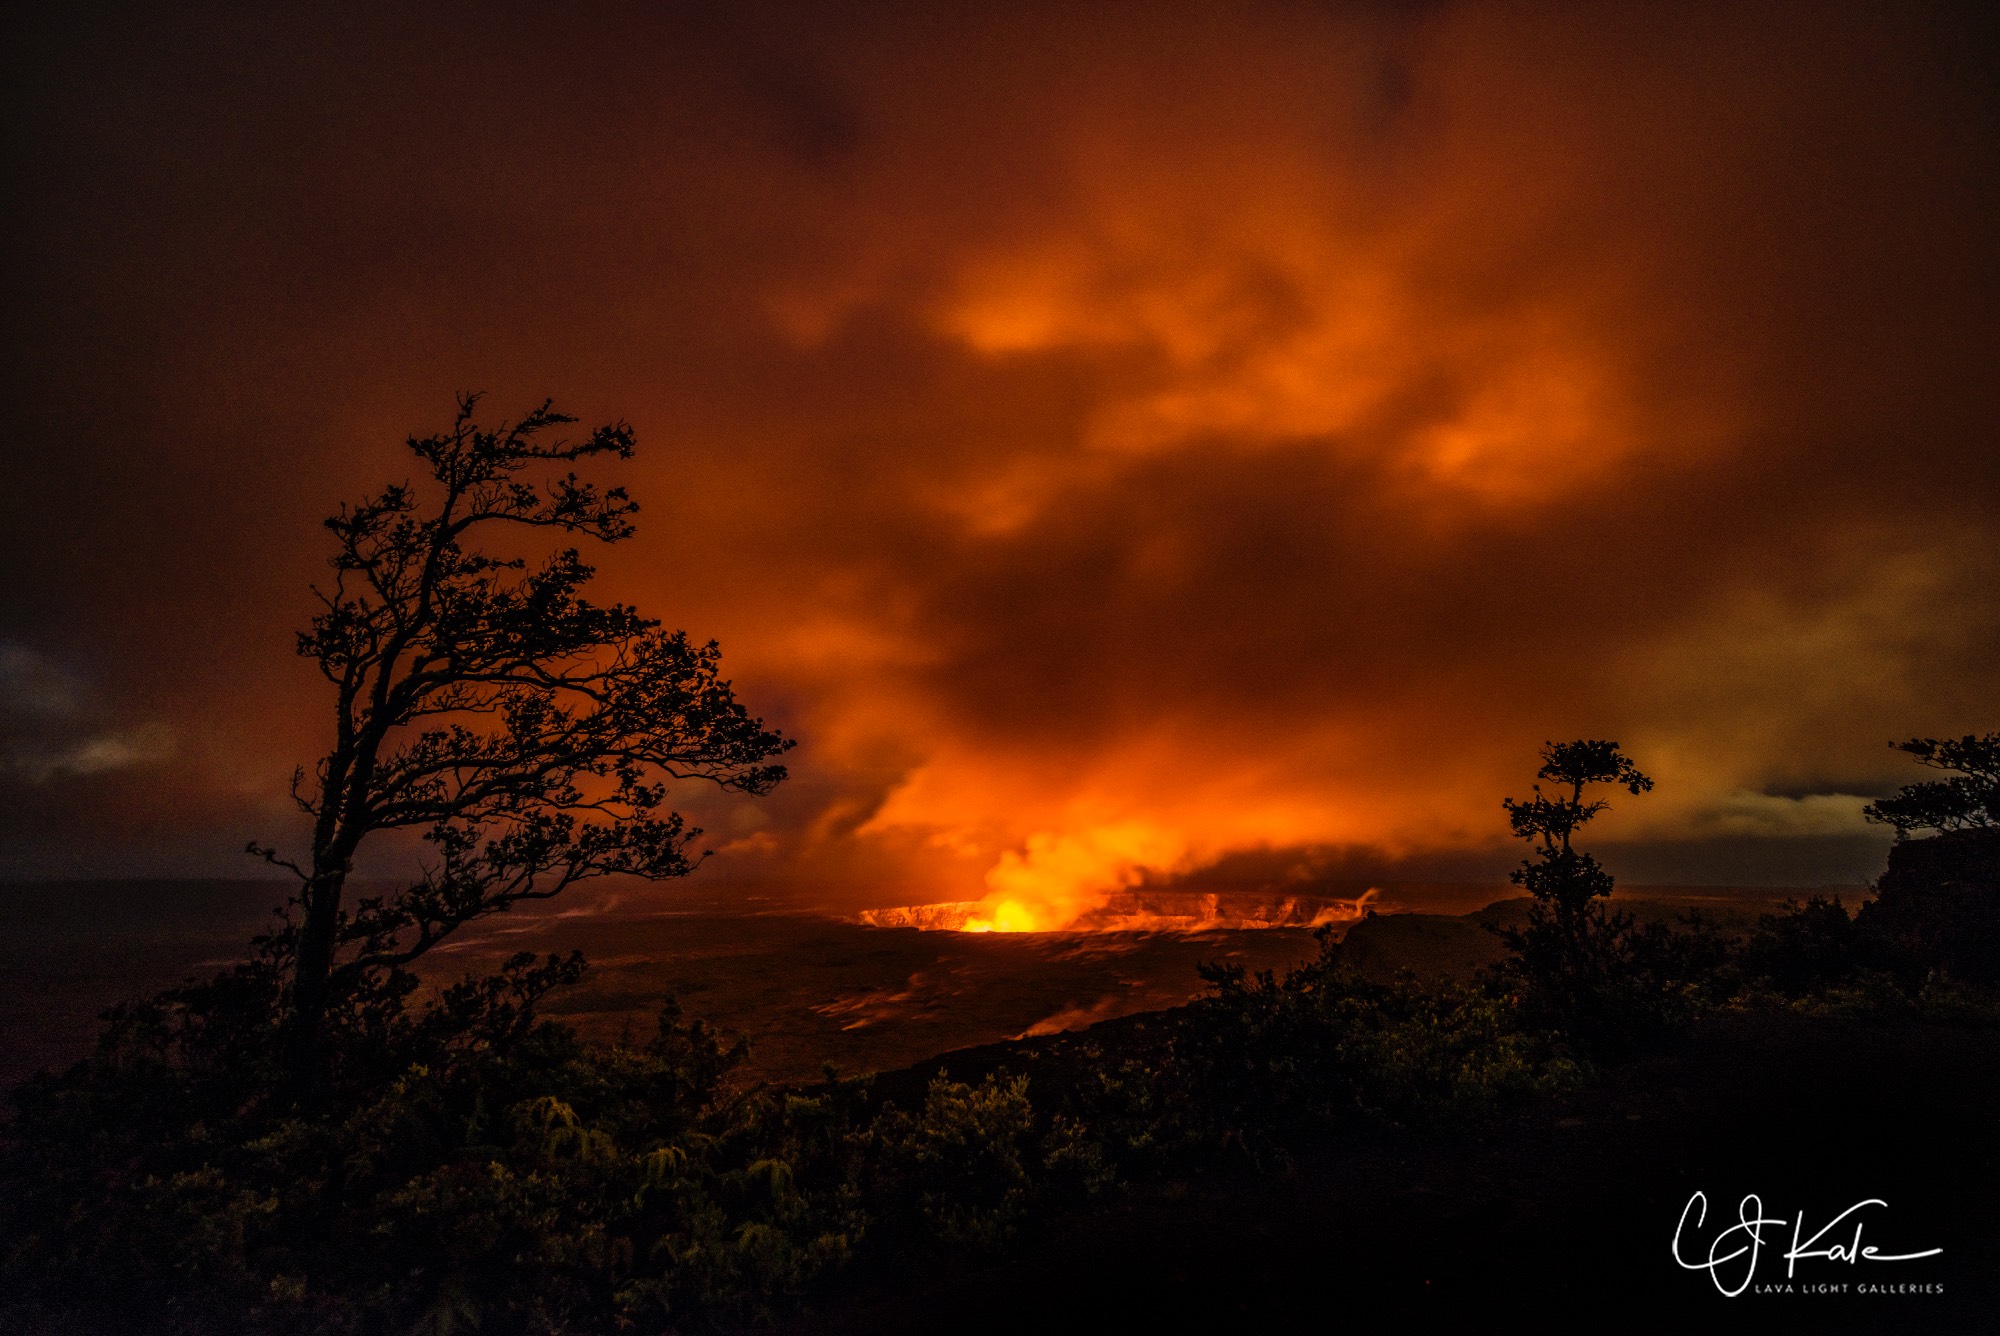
(1731, 1259)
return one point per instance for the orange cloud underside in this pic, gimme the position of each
(1110, 447)
(1284, 457)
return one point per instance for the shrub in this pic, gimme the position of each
(1804, 948)
(958, 1170)
(1264, 1063)
(508, 1178)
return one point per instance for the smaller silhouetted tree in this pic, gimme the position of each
(1579, 968)
(1562, 878)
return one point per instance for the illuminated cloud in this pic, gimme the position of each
(47, 728)
(1112, 447)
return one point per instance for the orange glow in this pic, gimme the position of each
(1141, 816)
(1059, 878)
(1147, 911)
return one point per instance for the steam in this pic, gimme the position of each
(1058, 878)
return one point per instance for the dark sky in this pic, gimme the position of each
(1114, 439)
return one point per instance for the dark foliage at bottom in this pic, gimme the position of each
(472, 1168)
(512, 1179)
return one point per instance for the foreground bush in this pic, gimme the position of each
(512, 1179)
(1265, 1062)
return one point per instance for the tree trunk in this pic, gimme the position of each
(312, 973)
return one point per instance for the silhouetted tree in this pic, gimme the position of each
(1559, 876)
(1803, 948)
(1580, 969)
(526, 731)
(1969, 800)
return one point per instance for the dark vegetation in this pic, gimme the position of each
(1578, 968)
(308, 1144)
